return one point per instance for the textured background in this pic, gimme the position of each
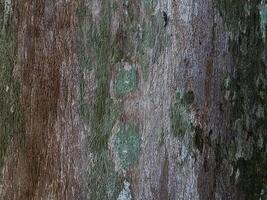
(133, 99)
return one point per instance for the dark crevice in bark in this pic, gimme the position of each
(248, 50)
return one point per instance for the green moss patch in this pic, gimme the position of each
(95, 51)
(127, 145)
(10, 109)
(180, 122)
(103, 182)
(263, 18)
(126, 81)
(149, 5)
(246, 21)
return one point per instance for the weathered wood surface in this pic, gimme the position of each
(133, 99)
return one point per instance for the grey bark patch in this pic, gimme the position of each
(164, 179)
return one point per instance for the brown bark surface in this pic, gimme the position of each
(133, 99)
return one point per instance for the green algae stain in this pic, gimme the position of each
(126, 81)
(127, 145)
(84, 39)
(246, 21)
(150, 5)
(103, 182)
(180, 122)
(263, 20)
(183, 125)
(98, 49)
(95, 52)
(247, 180)
(102, 130)
(10, 109)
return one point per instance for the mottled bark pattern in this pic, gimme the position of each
(133, 99)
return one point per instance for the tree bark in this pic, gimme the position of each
(133, 99)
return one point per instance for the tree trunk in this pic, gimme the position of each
(133, 99)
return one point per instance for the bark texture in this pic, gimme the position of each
(133, 99)
(48, 165)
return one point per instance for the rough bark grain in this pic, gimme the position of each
(133, 99)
